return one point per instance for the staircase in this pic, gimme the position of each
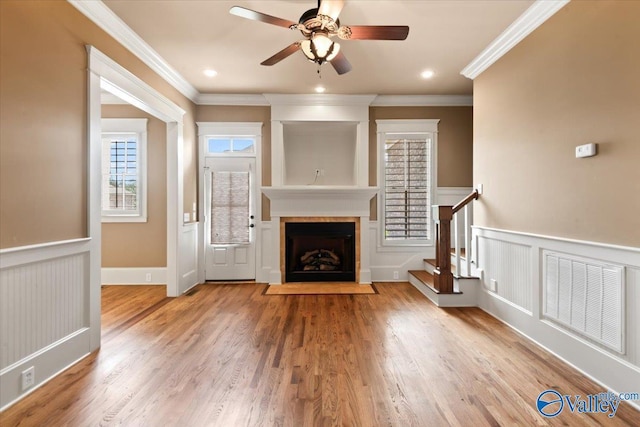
(448, 280)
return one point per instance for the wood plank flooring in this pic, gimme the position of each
(227, 355)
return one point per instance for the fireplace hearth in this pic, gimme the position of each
(320, 252)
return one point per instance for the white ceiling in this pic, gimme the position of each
(445, 36)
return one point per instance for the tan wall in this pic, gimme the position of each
(575, 80)
(141, 244)
(215, 113)
(455, 142)
(43, 110)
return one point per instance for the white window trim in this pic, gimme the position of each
(405, 128)
(139, 127)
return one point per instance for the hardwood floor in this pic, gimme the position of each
(226, 355)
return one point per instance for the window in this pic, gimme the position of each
(124, 170)
(407, 166)
(230, 145)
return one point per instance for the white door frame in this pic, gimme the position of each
(103, 72)
(229, 129)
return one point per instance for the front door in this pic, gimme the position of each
(230, 252)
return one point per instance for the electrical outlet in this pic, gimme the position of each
(493, 285)
(586, 150)
(396, 275)
(28, 378)
(147, 277)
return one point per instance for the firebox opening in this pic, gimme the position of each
(320, 252)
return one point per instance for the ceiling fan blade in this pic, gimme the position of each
(331, 8)
(341, 64)
(287, 51)
(376, 32)
(259, 16)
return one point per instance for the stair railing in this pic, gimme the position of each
(443, 276)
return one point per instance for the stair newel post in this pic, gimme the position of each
(443, 277)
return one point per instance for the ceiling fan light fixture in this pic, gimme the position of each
(320, 48)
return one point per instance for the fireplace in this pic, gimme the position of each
(320, 252)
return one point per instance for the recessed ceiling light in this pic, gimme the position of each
(427, 74)
(320, 89)
(210, 73)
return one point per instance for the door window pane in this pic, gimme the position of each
(244, 145)
(219, 145)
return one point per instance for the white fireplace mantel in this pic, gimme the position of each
(319, 200)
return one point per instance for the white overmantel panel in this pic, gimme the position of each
(316, 200)
(325, 108)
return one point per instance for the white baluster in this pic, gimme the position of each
(467, 239)
(456, 240)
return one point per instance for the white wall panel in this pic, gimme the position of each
(586, 296)
(509, 264)
(40, 304)
(188, 257)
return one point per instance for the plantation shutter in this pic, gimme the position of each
(229, 207)
(122, 176)
(407, 189)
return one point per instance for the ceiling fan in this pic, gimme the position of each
(318, 26)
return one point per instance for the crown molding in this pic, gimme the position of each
(423, 101)
(319, 99)
(232, 99)
(531, 19)
(312, 99)
(104, 18)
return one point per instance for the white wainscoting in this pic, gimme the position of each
(188, 257)
(265, 257)
(386, 261)
(516, 262)
(44, 312)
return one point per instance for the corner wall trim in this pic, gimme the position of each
(531, 19)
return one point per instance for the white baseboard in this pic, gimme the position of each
(134, 276)
(47, 363)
